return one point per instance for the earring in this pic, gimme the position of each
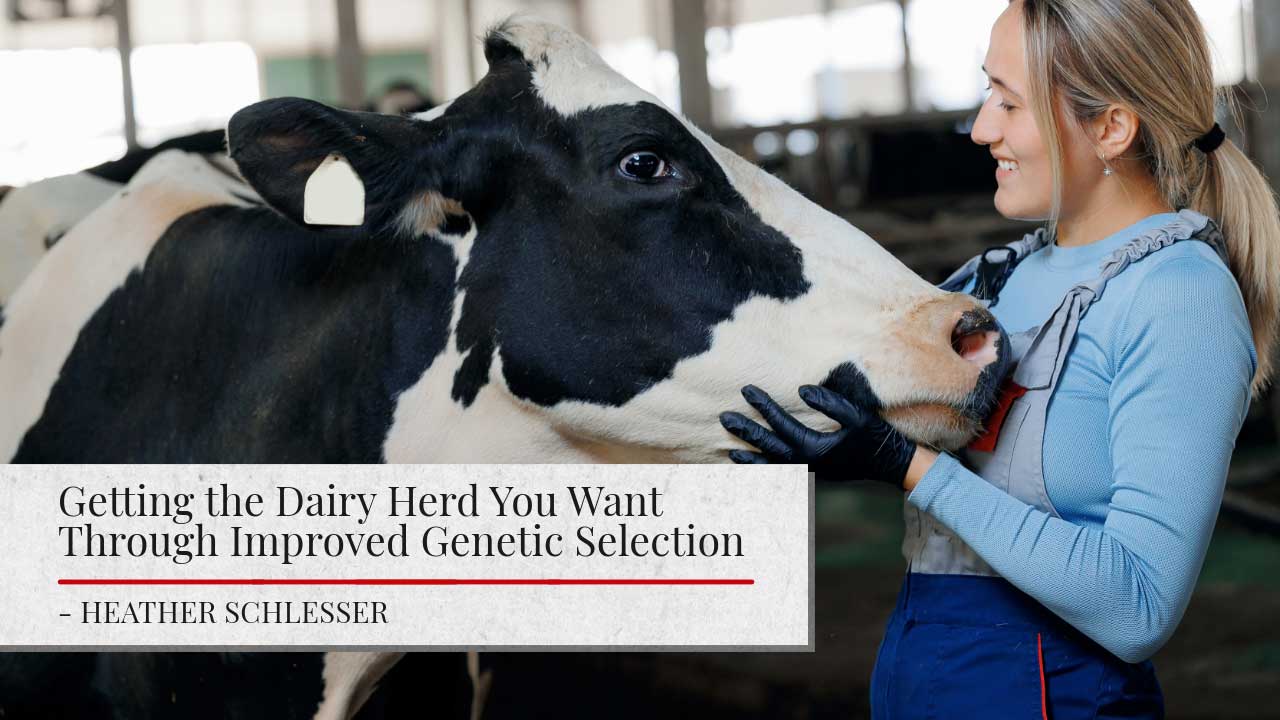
(1106, 169)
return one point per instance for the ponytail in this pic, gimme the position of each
(1237, 195)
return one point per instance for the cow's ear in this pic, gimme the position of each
(280, 144)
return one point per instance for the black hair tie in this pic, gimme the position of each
(1211, 140)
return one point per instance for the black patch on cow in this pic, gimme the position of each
(246, 338)
(848, 380)
(122, 170)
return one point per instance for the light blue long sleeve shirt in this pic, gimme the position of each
(1139, 435)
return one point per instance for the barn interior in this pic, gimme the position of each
(863, 105)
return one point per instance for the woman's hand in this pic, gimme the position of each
(865, 446)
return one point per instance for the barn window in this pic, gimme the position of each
(67, 109)
(768, 64)
(180, 89)
(948, 45)
(63, 112)
(1229, 26)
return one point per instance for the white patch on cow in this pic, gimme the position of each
(334, 194)
(349, 679)
(47, 313)
(430, 426)
(568, 73)
(33, 214)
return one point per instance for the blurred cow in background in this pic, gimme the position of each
(33, 218)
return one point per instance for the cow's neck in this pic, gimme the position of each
(437, 429)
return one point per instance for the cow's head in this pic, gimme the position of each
(621, 275)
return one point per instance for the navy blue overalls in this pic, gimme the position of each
(962, 641)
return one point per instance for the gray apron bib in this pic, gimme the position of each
(1015, 465)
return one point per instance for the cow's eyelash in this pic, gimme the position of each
(644, 143)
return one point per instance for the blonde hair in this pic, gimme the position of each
(1152, 57)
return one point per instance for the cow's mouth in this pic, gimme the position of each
(933, 425)
(953, 426)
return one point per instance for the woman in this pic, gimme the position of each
(1045, 574)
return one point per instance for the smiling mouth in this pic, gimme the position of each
(1007, 165)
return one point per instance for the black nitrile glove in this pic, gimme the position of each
(865, 446)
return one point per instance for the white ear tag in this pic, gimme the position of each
(334, 194)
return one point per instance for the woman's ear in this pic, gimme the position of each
(1115, 131)
(279, 145)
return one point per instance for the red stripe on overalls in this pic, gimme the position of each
(1044, 699)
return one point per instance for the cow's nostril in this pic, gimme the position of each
(979, 348)
(976, 337)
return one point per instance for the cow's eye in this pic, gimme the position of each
(644, 165)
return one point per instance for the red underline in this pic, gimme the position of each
(406, 581)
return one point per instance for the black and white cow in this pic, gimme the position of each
(552, 268)
(33, 218)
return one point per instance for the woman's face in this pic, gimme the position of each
(1008, 127)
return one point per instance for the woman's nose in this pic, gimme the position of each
(986, 130)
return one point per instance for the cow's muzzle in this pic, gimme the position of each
(946, 379)
(979, 339)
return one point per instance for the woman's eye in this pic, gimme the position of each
(644, 166)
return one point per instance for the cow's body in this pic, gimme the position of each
(516, 293)
(331, 374)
